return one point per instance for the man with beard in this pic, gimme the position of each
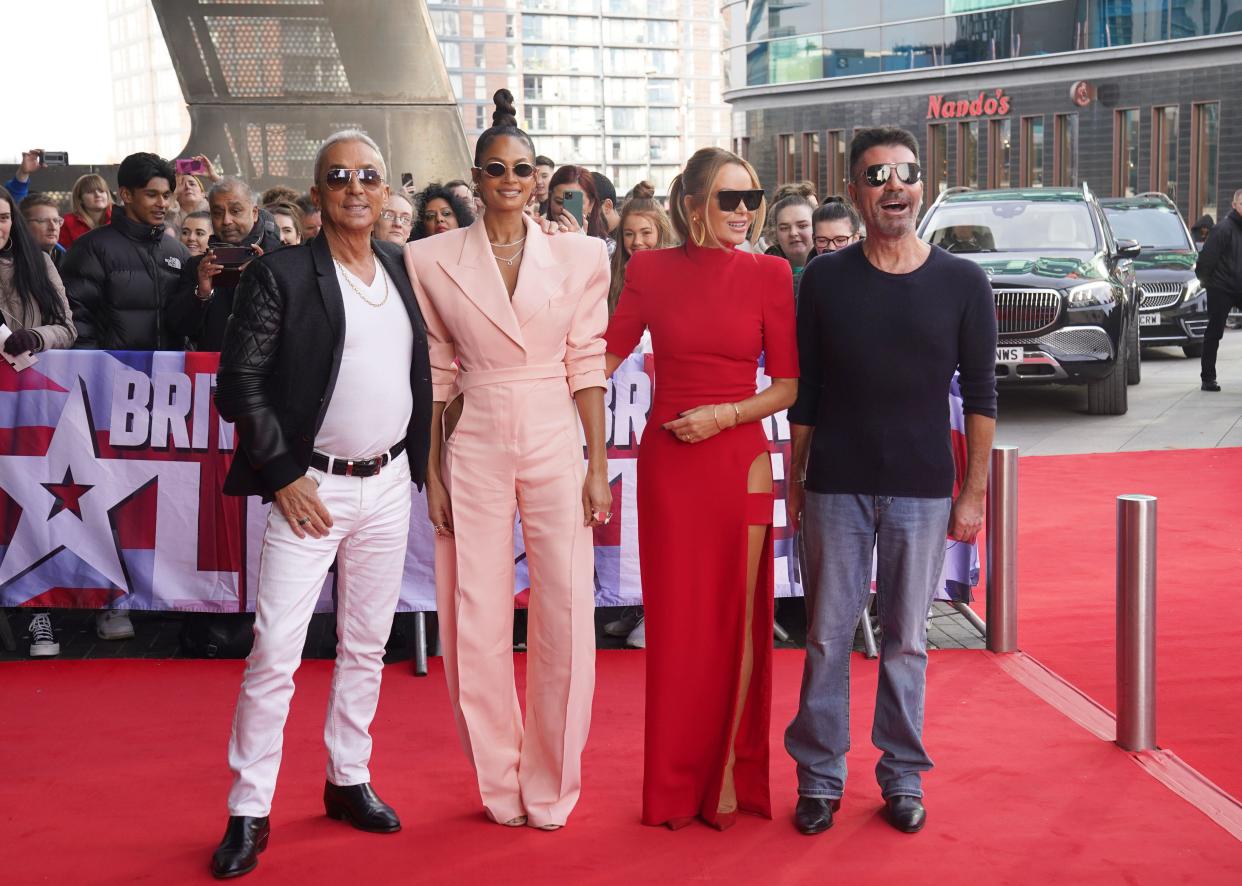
(200, 307)
(882, 327)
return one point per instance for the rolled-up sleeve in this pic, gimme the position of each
(584, 345)
(440, 346)
(805, 410)
(977, 347)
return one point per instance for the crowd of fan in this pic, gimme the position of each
(141, 267)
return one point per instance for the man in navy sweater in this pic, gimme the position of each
(882, 327)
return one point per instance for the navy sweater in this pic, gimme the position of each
(878, 352)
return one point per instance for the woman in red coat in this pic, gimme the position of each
(91, 205)
(705, 492)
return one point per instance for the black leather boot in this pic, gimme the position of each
(238, 853)
(358, 805)
(905, 813)
(813, 815)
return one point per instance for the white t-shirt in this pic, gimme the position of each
(371, 403)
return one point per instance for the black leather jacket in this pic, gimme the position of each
(1219, 268)
(278, 368)
(118, 278)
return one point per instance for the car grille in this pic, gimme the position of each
(1196, 327)
(1024, 311)
(1159, 295)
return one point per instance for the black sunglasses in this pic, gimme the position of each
(877, 174)
(729, 199)
(496, 169)
(337, 178)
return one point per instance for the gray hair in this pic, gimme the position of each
(349, 135)
(231, 184)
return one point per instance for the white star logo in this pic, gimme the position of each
(67, 498)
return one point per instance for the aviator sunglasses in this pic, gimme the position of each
(879, 173)
(729, 199)
(337, 178)
(496, 169)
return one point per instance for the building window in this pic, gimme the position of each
(810, 159)
(786, 159)
(968, 155)
(1164, 151)
(741, 147)
(1204, 157)
(1126, 158)
(1000, 152)
(479, 57)
(838, 173)
(937, 158)
(1032, 152)
(480, 117)
(1065, 151)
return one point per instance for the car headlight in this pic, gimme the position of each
(1193, 289)
(1090, 295)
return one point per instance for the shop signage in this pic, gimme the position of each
(985, 104)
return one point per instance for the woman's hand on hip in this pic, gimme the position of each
(439, 508)
(596, 499)
(695, 425)
(300, 504)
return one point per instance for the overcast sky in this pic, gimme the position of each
(59, 95)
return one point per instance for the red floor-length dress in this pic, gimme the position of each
(711, 313)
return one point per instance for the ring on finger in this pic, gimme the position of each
(303, 521)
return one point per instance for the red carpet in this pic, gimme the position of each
(1066, 590)
(114, 773)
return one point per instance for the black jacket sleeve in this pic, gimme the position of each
(83, 275)
(247, 362)
(1209, 259)
(184, 312)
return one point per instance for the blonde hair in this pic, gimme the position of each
(89, 182)
(640, 202)
(695, 182)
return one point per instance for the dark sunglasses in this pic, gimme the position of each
(877, 174)
(729, 199)
(337, 178)
(496, 169)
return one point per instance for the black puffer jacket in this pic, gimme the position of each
(203, 322)
(1219, 268)
(118, 278)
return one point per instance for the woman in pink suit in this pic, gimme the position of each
(515, 322)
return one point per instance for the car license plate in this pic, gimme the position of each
(1008, 355)
(1149, 319)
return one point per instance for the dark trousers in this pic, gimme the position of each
(1219, 305)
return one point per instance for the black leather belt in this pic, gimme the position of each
(355, 467)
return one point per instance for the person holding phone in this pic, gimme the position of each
(705, 492)
(515, 323)
(575, 203)
(199, 309)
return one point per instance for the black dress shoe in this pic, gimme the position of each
(813, 815)
(358, 805)
(1209, 385)
(238, 852)
(905, 813)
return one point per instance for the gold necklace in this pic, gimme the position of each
(345, 272)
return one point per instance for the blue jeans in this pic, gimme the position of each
(839, 533)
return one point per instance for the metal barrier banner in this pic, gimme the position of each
(112, 462)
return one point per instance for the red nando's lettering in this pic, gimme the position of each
(940, 107)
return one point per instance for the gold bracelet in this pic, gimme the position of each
(737, 415)
(714, 418)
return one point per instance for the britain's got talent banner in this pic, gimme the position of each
(112, 462)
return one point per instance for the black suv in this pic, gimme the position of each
(1066, 298)
(1172, 303)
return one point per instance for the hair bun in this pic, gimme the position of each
(644, 190)
(506, 112)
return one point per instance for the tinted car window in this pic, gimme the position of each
(1153, 227)
(1011, 226)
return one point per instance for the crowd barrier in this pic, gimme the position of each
(112, 462)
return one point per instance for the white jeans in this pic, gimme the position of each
(370, 528)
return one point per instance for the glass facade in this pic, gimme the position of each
(774, 41)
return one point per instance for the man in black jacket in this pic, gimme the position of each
(1219, 269)
(201, 305)
(326, 377)
(119, 276)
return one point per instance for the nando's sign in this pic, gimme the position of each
(985, 104)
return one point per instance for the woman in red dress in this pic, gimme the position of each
(705, 492)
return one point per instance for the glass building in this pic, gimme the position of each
(1128, 95)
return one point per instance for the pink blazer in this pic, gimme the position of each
(553, 326)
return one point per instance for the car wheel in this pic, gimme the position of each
(1194, 351)
(1108, 396)
(1134, 354)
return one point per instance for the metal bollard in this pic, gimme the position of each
(1002, 550)
(1136, 622)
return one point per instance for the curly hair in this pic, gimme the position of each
(462, 209)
